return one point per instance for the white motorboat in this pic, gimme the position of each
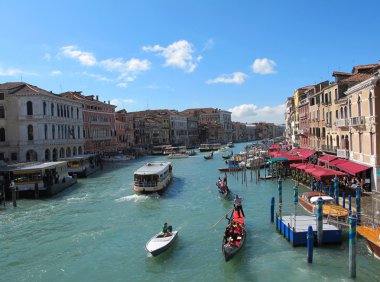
(158, 243)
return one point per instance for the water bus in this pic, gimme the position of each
(45, 179)
(153, 177)
(160, 149)
(209, 147)
(83, 165)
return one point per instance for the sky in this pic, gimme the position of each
(246, 57)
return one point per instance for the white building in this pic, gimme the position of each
(38, 125)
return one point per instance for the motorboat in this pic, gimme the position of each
(160, 243)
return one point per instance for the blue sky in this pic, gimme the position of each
(242, 56)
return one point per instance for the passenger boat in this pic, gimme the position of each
(83, 165)
(115, 157)
(308, 201)
(178, 155)
(160, 149)
(41, 179)
(209, 147)
(224, 191)
(232, 166)
(175, 150)
(372, 236)
(153, 177)
(234, 236)
(158, 243)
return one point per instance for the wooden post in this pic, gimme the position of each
(310, 244)
(358, 209)
(352, 246)
(320, 221)
(344, 200)
(272, 210)
(14, 196)
(349, 203)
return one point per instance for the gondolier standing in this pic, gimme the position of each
(238, 206)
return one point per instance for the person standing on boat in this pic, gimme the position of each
(225, 179)
(238, 206)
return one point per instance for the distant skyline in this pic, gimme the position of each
(243, 56)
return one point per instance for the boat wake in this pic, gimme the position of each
(137, 198)
(73, 199)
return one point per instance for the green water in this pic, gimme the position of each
(97, 230)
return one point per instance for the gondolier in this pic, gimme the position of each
(238, 206)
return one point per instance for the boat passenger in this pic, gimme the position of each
(165, 230)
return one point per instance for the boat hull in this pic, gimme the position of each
(156, 246)
(371, 235)
(229, 169)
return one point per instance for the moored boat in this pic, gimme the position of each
(160, 243)
(234, 236)
(83, 165)
(372, 236)
(153, 177)
(232, 166)
(308, 201)
(178, 155)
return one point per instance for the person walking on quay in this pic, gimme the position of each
(238, 207)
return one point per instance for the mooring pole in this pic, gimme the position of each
(280, 198)
(295, 200)
(352, 246)
(358, 211)
(349, 203)
(336, 190)
(272, 210)
(344, 200)
(310, 244)
(319, 221)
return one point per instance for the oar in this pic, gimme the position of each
(222, 217)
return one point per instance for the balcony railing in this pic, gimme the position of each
(342, 153)
(356, 121)
(328, 148)
(341, 122)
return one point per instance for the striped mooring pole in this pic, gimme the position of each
(280, 198)
(352, 246)
(358, 210)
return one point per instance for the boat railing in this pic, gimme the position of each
(145, 183)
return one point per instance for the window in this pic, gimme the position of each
(1, 156)
(29, 108)
(53, 131)
(336, 94)
(72, 112)
(52, 109)
(77, 113)
(1, 96)
(46, 132)
(30, 132)
(359, 107)
(371, 141)
(2, 112)
(44, 108)
(2, 134)
(370, 101)
(349, 109)
(14, 156)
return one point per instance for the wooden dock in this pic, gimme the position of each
(294, 229)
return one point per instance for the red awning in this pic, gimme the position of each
(325, 172)
(336, 161)
(327, 158)
(295, 165)
(351, 167)
(304, 153)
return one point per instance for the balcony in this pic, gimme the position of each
(328, 148)
(342, 153)
(341, 122)
(357, 121)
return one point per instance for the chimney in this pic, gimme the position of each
(97, 98)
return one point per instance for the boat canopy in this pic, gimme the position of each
(324, 199)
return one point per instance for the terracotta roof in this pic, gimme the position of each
(10, 85)
(359, 77)
(356, 69)
(335, 73)
(24, 88)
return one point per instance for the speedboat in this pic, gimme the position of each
(159, 243)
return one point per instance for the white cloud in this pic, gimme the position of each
(252, 113)
(120, 104)
(264, 66)
(15, 72)
(126, 69)
(55, 73)
(208, 45)
(178, 54)
(85, 58)
(122, 84)
(236, 78)
(97, 76)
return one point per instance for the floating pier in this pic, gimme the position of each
(294, 229)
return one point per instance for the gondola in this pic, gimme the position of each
(208, 157)
(233, 241)
(224, 192)
(228, 156)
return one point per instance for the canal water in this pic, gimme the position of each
(97, 230)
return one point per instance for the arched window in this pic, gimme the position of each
(359, 107)
(78, 132)
(29, 108)
(31, 156)
(44, 107)
(77, 113)
(370, 101)
(47, 155)
(341, 113)
(345, 112)
(55, 155)
(68, 152)
(80, 152)
(46, 132)
(58, 110)
(52, 109)
(53, 131)
(74, 151)
(2, 134)
(72, 112)
(30, 132)
(337, 142)
(62, 153)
